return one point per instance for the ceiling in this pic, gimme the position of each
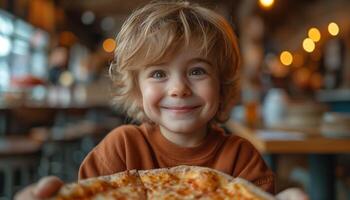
(104, 7)
(118, 10)
(286, 15)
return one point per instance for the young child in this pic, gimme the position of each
(176, 71)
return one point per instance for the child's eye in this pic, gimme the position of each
(158, 74)
(197, 71)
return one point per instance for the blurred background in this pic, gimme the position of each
(294, 104)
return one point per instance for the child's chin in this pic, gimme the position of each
(183, 127)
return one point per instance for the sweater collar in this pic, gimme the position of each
(215, 137)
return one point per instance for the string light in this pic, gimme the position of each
(333, 28)
(308, 45)
(314, 34)
(286, 58)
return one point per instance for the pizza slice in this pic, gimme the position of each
(192, 182)
(123, 185)
(183, 182)
(159, 182)
(214, 184)
(242, 189)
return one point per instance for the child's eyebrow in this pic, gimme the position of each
(190, 62)
(155, 65)
(197, 60)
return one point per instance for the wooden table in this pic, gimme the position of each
(58, 111)
(310, 143)
(18, 145)
(321, 152)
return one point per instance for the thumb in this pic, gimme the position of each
(47, 186)
(292, 194)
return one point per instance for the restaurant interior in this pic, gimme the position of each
(293, 106)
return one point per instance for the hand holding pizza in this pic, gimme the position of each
(45, 188)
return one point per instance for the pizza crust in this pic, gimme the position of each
(250, 188)
(96, 187)
(180, 182)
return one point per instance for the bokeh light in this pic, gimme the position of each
(107, 23)
(314, 34)
(109, 45)
(88, 17)
(266, 3)
(286, 58)
(333, 28)
(66, 79)
(308, 45)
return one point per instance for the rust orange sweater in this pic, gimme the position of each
(144, 147)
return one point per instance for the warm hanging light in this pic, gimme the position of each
(109, 45)
(266, 3)
(333, 28)
(308, 45)
(286, 58)
(314, 34)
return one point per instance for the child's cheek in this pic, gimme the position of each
(151, 95)
(209, 90)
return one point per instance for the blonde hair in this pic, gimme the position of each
(153, 31)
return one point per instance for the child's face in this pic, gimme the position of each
(181, 93)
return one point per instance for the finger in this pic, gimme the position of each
(47, 187)
(292, 194)
(25, 194)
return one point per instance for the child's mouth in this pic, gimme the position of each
(180, 109)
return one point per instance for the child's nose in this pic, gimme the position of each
(179, 89)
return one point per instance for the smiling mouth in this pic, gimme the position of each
(181, 109)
